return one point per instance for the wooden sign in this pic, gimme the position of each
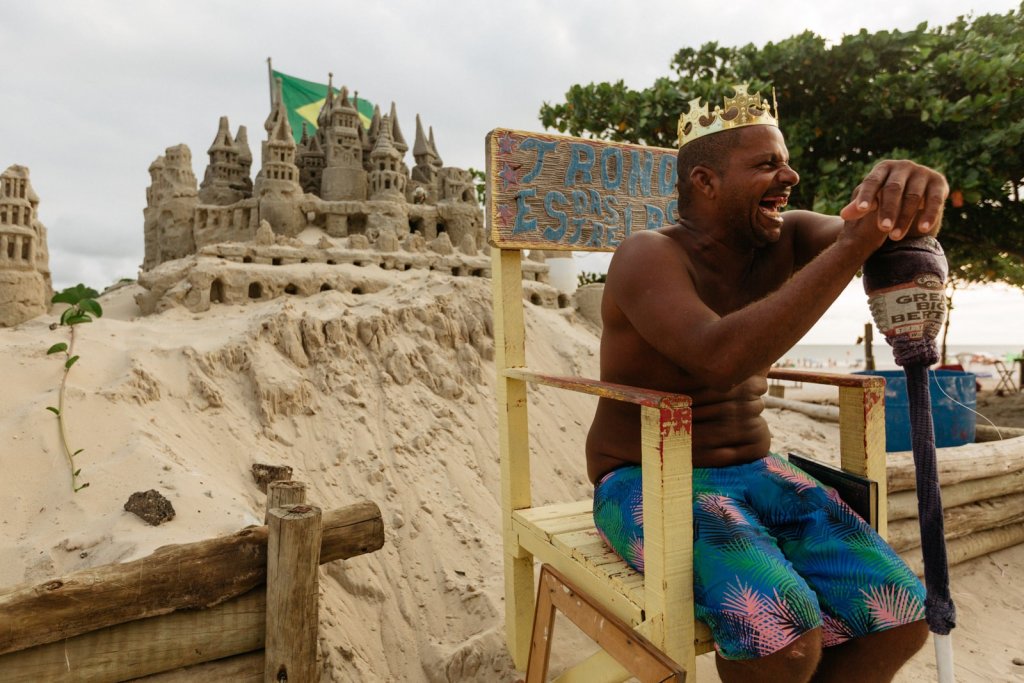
(556, 192)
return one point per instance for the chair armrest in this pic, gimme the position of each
(618, 392)
(828, 378)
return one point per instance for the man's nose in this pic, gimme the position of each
(788, 176)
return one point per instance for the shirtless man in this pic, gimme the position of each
(794, 586)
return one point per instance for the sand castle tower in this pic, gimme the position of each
(277, 185)
(224, 182)
(344, 177)
(428, 163)
(387, 181)
(25, 288)
(171, 200)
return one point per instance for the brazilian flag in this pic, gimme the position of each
(304, 99)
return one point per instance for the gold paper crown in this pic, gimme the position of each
(743, 109)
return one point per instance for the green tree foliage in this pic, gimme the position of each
(951, 98)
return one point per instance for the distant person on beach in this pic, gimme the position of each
(792, 583)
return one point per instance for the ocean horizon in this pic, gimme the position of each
(845, 357)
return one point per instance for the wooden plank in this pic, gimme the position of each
(668, 530)
(862, 439)
(247, 668)
(618, 392)
(192, 575)
(829, 378)
(538, 515)
(293, 549)
(556, 192)
(513, 446)
(590, 579)
(147, 646)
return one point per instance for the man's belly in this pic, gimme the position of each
(725, 433)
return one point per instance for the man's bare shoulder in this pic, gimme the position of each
(645, 248)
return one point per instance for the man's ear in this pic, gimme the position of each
(705, 181)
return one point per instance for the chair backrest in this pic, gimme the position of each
(553, 192)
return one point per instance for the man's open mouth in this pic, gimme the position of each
(772, 205)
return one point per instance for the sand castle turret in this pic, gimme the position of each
(223, 182)
(25, 289)
(386, 179)
(344, 177)
(277, 185)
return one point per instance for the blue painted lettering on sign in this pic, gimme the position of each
(542, 147)
(655, 217)
(666, 174)
(611, 156)
(581, 163)
(550, 233)
(640, 172)
(524, 222)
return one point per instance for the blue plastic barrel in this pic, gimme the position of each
(954, 424)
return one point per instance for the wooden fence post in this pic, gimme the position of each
(284, 492)
(293, 558)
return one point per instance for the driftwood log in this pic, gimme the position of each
(962, 520)
(963, 463)
(903, 504)
(178, 577)
(969, 547)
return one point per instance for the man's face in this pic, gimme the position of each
(756, 183)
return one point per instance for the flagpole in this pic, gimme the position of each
(270, 81)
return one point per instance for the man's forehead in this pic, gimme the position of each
(760, 140)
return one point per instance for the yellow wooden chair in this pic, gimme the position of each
(559, 193)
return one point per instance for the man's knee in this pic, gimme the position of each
(902, 640)
(795, 662)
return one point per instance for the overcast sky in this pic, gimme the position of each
(91, 92)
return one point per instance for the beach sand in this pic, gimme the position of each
(386, 396)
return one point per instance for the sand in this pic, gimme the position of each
(387, 397)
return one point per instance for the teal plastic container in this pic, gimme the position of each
(954, 424)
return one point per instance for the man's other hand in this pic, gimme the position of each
(907, 195)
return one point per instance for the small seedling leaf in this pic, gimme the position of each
(91, 306)
(57, 348)
(53, 410)
(67, 315)
(70, 361)
(72, 295)
(79, 318)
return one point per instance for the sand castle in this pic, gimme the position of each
(339, 200)
(25, 288)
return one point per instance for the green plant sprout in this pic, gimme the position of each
(82, 307)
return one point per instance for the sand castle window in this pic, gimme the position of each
(407, 266)
(477, 272)
(357, 290)
(10, 249)
(276, 261)
(217, 292)
(535, 299)
(563, 301)
(255, 290)
(3, 215)
(247, 259)
(325, 287)
(291, 289)
(25, 250)
(305, 260)
(331, 262)
(441, 227)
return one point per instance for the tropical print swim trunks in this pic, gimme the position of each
(776, 554)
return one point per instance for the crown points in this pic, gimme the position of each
(742, 109)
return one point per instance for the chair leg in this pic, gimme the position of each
(630, 650)
(518, 606)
